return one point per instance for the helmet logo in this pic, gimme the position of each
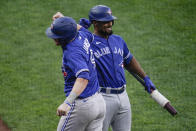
(109, 12)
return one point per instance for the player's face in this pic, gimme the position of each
(61, 42)
(105, 28)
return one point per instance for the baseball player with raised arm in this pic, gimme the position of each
(83, 108)
(111, 56)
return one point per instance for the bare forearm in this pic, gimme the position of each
(78, 88)
(135, 67)
(80, 85)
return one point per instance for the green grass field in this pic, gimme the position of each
(160, 33)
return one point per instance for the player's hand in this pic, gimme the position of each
(148, 84)
(57, 15)
(85, 23)
(63, 109)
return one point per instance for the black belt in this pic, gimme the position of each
(112, 90)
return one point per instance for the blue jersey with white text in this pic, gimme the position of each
(78, 62)
(110, 56)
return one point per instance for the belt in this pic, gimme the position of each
(109, 90)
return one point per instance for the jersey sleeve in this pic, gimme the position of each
(77, 61)
(127, 56)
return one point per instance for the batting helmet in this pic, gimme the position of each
(62, 28)
(101, 13)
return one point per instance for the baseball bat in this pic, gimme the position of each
(158, 97)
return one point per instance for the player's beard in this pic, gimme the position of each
(104, 30)
(105, 33)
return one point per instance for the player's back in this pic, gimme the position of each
(78, 60)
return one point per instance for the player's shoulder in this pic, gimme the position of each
(80, 44)
(85, 32)
(115, 36)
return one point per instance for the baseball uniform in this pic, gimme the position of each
(88, 110)
(111, 55)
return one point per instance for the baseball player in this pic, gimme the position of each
(83, 108)
(111, 56)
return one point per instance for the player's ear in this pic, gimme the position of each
(94, 23)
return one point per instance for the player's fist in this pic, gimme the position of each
(63, 109)
(57, 15)
(148, 84)
(85, 23)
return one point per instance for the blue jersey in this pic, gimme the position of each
(110, 56)
(78, 62)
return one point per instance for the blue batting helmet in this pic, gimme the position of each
(62, 28)
(101, 13)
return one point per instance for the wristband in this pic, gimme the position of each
(71, 98)
(67, 103)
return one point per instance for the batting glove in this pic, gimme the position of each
(85, 23)
(148, 84)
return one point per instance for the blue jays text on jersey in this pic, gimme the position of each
(110, 56)
(78, 62)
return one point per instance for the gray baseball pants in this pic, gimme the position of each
(85, 115)
(118, 112)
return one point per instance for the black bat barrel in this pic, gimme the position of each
(170, 109)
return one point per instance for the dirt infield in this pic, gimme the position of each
(3, 126)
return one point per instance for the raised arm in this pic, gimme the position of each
(59, 14)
